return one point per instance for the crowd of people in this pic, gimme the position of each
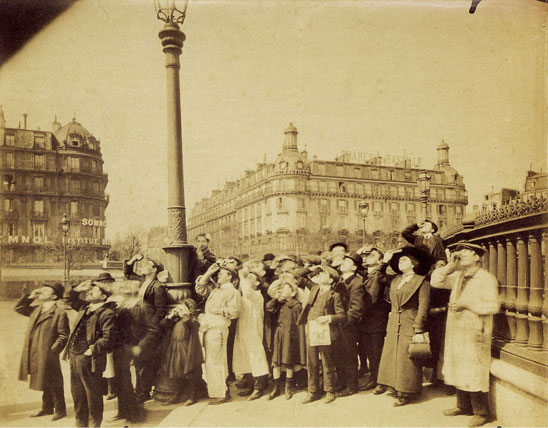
(333, 323)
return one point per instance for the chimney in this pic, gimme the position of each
(2, 119)
(24, 120)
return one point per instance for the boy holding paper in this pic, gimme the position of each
(323, 312)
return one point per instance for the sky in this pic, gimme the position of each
(364, 76)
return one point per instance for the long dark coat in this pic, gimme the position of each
(409, 310)
(46, 337)
(289, 338)
(376, 308)
(181, 351)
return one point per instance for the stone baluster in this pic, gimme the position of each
(535, 293)
(485, 258)
(522, 327)
(545, 304)
(511, 287)
(500, 323)
(492, 251)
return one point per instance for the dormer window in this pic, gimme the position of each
(75, 143)
(40, 141)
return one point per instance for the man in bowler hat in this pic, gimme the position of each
(46, 337)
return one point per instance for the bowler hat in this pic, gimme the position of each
(104, 287)
(418, 253)
(57, 288)
(465, 245)
(338, 244)
(105, 276)
(356, 258)
(268, 256)
(434, 225)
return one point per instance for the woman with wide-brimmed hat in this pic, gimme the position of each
(409, 296)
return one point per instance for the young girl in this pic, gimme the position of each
(183, 356)
(289, 351)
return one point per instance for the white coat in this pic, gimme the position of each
(249, 355)
(467, 355)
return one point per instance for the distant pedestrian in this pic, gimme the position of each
(46, 336)
(467, 355)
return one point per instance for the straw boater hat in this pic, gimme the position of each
(419, 254)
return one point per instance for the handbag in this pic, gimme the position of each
(419, 347)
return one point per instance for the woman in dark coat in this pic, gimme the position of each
(182, 357)
(289, 349)
(410, 297)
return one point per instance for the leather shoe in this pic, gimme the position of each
(245, 392)
(58, 416)
(478, 420)
(256, 394)
(41, 412)
(329, 398)
(215, 401)
(368, 386)
(345, 393)
(380, 389)
(312, 396)
(456, 411)
(401, 401)
(116, 417)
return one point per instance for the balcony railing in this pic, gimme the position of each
(515, 237)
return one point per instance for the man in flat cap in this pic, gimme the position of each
(46, 337)
(472, 304)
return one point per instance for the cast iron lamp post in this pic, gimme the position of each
(173, 13)
(424, 189)
(363, 205)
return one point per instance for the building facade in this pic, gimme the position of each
(44, 175)
(300, 205)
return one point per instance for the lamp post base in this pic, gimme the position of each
(178, 261)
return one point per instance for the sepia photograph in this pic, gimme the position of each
(273, 213)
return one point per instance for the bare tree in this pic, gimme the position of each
(126, 245)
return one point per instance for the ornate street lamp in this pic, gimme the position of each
(363, 205)
(424, 189)
(177, 250)
(65, 227)
(173, 13)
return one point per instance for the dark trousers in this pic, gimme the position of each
(146, 370)
(328, 367)
(476, 402)
(87, 392)
(127, 405)
(230, 344)
(347, 361)
(54, 399)
(362, 352)
(373, 343)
